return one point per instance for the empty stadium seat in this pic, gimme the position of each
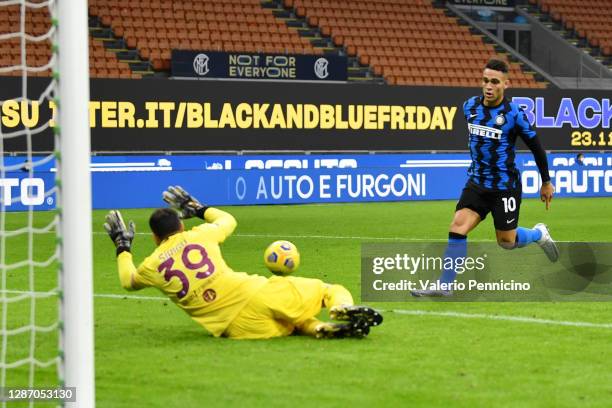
(387, 34)
(235, 25)
(102, 63)
(591, 19)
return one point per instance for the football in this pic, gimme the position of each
(282, 257)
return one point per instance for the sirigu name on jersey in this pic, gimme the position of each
(589, 113)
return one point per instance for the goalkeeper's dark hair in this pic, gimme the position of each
(164, 222)
(497, 65)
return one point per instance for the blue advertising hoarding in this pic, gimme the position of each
(137, 181)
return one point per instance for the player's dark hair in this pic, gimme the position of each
(497, 65)
(164, 222)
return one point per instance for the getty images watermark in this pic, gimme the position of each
(435, 264)
(45, 394)
(391, 272)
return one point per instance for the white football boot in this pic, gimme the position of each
(546, 243)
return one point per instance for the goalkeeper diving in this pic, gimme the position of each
(189, 268)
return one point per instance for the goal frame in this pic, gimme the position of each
(74, 193)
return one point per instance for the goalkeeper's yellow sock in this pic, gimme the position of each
(333, 295)
(326, 330)
(337, 295)
(309, 326)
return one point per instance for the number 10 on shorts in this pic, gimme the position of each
(509, 204)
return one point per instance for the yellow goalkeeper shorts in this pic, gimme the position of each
(278, 307)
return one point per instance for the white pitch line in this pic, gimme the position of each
(348, 237)
(520, 319)
(99, 295)
(114, 296)
(337, 237)
(330, 237)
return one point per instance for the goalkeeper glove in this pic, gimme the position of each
(115, 227)
(184, 203)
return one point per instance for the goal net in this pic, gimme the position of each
(45, 201)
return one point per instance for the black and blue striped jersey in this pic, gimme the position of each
(493, 132)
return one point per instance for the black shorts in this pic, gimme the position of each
(504, 205)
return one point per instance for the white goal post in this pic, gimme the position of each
(46, 285)
(75, 199)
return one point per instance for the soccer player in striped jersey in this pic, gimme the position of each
(189, 268)
(494, 184)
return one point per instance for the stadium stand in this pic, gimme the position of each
(103, 63)
(154, 28)
(37, 23)
(588, 19)
(408, 43)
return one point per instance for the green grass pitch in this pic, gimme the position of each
(150, 354)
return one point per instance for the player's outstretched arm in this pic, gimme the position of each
(189, 206)
(548, 189)
(122, 237)
(186, 205)
(224, 220)
(539, 154)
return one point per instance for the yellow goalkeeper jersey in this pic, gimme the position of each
(189, 268)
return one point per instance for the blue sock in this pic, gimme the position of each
(525, 236)
(456, 248)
